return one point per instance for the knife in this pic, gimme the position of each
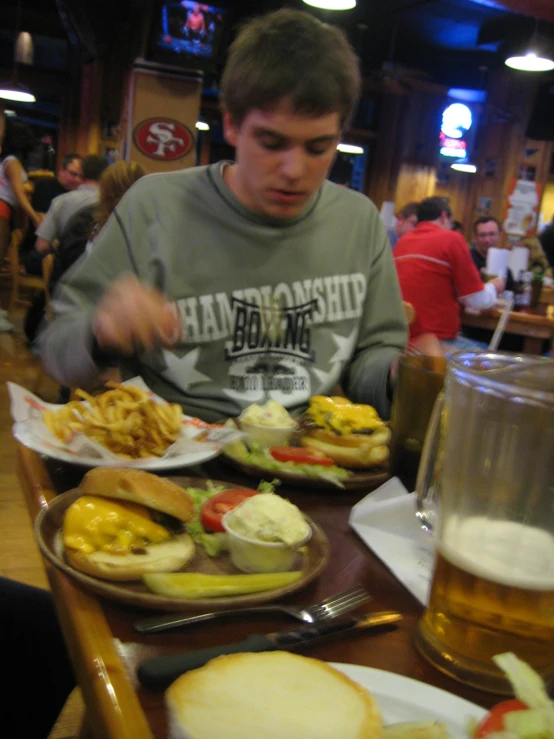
(157, 673)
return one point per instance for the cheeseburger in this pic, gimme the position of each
(126, 524)
(352, 435)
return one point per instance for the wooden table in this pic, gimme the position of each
(534, 326)
(105, 649)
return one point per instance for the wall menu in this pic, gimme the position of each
(522, 207)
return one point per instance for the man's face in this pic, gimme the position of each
(486, 235)
(282, 158)
(405, 225)
(71, 177)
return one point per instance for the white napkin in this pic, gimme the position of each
(386, 521)
(497, 261)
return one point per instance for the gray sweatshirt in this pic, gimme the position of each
(270, 308)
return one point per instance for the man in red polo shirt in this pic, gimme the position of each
(436, 274)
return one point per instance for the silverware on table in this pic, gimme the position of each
(157, 673)
(331, 607)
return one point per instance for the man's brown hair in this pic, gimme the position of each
(290, 54)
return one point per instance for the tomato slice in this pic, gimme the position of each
(494, 720)
(218, 505)
(300, 455)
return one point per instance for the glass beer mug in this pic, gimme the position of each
(486, 488)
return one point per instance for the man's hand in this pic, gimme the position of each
(499, 283)
(132, 315)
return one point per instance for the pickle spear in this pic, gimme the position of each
(198, 585)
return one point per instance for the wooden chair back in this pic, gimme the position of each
(47, 267)
(19, 280)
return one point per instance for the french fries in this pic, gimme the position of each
(124, 419)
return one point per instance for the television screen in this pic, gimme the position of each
(189, 29)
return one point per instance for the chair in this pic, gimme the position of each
(47, 267)
(18, 280)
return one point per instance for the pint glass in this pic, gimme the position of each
(420, 380)
(492, 492)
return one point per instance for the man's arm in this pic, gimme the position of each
(48, 229)
(383, 330)
(102, 310)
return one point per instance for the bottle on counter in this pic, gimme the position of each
(518, 291)
(526, 291)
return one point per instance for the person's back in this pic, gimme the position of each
(436, 272)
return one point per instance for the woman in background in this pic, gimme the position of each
(82, 229)
(18, 141)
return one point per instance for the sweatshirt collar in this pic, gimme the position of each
(215, 174)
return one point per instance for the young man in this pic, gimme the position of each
(406, 221)
(229, 284)
(436, 274)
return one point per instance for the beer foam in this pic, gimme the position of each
(503, 552)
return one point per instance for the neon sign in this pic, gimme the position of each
(456, 122)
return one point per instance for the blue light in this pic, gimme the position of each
(456, 120)
(467, 95)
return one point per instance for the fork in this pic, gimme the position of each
(331, 607)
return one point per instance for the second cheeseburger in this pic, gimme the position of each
(128, 523)
(351, 434)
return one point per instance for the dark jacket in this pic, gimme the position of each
(72, 245)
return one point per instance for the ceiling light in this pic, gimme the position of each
(202, 126)
(464, 167)
(350, 149)
(17, 92)
(14, 90)
(530, 62)
(10, 113)
(332, 4)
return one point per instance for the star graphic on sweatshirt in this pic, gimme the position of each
(339, 359)
(182, 370)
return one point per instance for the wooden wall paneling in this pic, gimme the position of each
(385, 167)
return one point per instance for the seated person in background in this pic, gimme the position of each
(64, 207)
(486, 231)
(406, 221)
(33, 647)
(81, 230)
(68, 177)
(436, 274)
(200, 273)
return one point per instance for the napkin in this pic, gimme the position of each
(386, 521)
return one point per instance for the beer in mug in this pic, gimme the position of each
(493, 584)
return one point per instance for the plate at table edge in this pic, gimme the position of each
(47, 531)
(358, 481)
(28, 439)
(403, 698)
(365, 478)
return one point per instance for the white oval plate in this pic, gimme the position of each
(206, 451)
(404, 699)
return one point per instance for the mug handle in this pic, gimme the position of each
(427, 484)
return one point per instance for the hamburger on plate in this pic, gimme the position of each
(351, 434)
(127, 524)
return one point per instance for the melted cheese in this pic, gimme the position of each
(342, 416)
(97, 524)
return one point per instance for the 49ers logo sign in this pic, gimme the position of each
(163, 139)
